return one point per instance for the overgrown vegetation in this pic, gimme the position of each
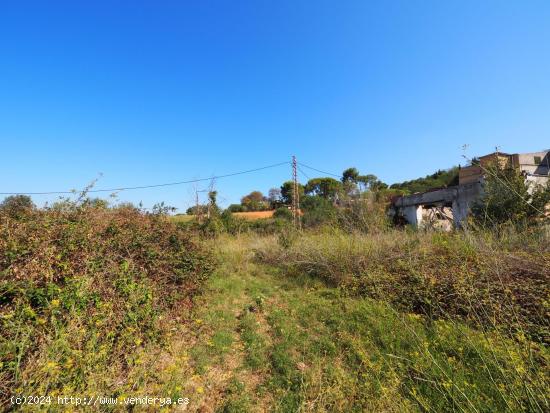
(439, 179)
(274, 340)
(499, 282)
(510, 199)
(347, 314)
(83, 289)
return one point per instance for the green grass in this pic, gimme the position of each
(315, 322)
(299, 344)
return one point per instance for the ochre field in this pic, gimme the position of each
(254, 214)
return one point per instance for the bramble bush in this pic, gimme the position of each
(82, 288)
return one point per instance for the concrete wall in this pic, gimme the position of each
(469, 174)
(535, 180)
(413, 214)
(526, 162)
(445, 195)
(460, 197)
(466, 196)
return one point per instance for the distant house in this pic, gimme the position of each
(535, 166)
(452, 204)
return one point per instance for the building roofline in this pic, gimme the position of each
(496, 153)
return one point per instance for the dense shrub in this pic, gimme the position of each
(81, 288)
(16, 206)
(267, 226)
(283, 213)
(508, 198)
(438, 179)
(317, 211)
(367, 214)
(236, 208)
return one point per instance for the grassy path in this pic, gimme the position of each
(258, 341)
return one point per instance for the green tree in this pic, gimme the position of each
(439, 179)
(317, 211)
(17, 205)
(350, 175)
(255, 201)
(214, 224)
(509, 198)
(283, 213)
(370, 182)
(287, 191)
(349, 181)
(212, 208)
(193, 210)
(235, 208)
(274, 198)
(324, 187)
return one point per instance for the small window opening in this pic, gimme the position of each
(538, 160)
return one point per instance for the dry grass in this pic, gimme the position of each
(253, 215)
(182, 218)
(471, 276)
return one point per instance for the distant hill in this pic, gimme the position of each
(441, 178)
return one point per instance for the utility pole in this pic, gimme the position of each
(198, 207)
(210, 199)
(197, 213)
(296, 218)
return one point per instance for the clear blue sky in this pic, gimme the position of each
(150, 92)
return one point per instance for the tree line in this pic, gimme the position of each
(351, 184)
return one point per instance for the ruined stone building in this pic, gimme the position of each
(447, 206)
(534, 166)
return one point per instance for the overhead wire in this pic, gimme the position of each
(149, 186)
(318, 170)
(302, 171)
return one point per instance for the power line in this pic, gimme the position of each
(318, 170)
(303, 173)
(150, 186)
(296, 195)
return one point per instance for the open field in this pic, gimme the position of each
(182, 218)
(254, 214)
(117, 303)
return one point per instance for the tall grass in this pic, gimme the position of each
(504, 279)
(496, 284)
